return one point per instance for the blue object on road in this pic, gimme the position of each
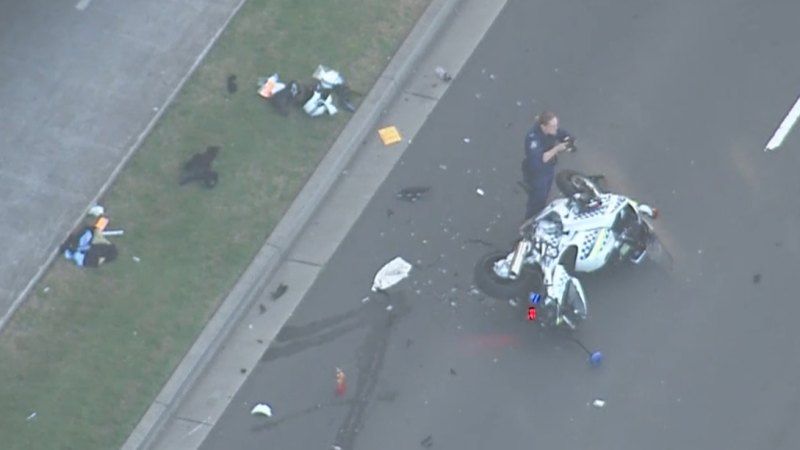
(596, 358)
(535, 298)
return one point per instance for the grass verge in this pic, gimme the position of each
(90, 349)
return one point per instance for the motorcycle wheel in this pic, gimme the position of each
(570, 182)
(530, 280)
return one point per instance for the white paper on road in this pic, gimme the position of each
(262, 409)
(390, 274)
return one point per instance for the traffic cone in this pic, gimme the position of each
(341, 383)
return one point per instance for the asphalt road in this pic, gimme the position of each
(674, 102)
(79, 83)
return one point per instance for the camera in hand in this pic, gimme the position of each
(570, 141)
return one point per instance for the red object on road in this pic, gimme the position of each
(531, 313)
(341, 383)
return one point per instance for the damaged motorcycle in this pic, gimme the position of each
(585, 231)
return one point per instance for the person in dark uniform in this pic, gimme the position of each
(543, 143)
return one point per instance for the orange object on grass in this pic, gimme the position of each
(101, 224)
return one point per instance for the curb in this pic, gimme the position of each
(257, 276)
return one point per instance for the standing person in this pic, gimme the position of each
(544, 142)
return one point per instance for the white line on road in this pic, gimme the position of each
(83, 4)
(785, 127)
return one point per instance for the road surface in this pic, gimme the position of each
(674, 102)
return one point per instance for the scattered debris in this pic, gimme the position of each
(453, 372)
(262, 409)
(231, 84)
(479, 191)
(279, 291)
(466, 140)
(97, 211)
(389, 308)
(46, 289)
(272, 89)
(365, 299)
(756, 278)
(427, 442)
(441, 73)
(242, 370)
(31, 416)
(136, 259)
(87, 246)
(198, 168)
(389, 212)
(329, 82)
(390, 274)
(442, 166)
(389, 135)
(261, 308)
(113, 232)
(341, 383)
(599, 403)
(479, 241)
(413, 193)
(260, 341)
(512, 302)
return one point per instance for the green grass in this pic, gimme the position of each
(90, 353)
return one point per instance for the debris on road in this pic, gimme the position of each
(427, 442)
(198, 168)
(598, 403)
(413, 193)
(479, 191)
(390, 274)
(512, 302)
(341, 383)
(466, 140)
(441, 73)
(136, 259)
(756, 278)
(31, 416)
(389, 135)
(453, 372)
(262, 409)
(279, 291)
(261, 308)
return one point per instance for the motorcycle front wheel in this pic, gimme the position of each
(495, 286)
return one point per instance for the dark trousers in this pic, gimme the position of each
(538, 186)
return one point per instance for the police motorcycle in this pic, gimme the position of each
(585, 231)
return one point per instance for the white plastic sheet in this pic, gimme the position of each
(390, 274)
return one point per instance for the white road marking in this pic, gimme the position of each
(785, 127)
(83, 4)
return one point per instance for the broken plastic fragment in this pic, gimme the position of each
(466, 140)
(31, 416)
(599, 403)
(390, 274)
(479, 191)
(413, 193)
(262, 409)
